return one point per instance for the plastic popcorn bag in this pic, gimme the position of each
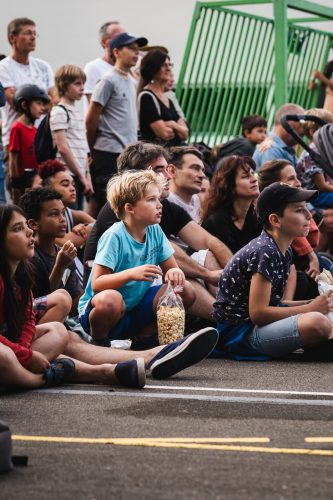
(325, 284)
(170, 316)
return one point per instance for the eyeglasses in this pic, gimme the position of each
(167, 65)
(159, 169)
(29, 33)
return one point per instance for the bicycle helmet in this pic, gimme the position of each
(28, 93)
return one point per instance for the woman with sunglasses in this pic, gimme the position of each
(159, 120)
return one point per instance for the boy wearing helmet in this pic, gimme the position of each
(29, 102)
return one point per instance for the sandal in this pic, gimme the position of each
(61, 371)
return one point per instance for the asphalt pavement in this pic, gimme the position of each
(219, 430)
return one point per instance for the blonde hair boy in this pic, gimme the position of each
(130, 187)
(120, 298)
(67, 74)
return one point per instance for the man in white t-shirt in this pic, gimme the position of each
(97, 68)
(20, 68)
(188, 172)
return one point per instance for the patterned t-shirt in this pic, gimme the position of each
(261, 255)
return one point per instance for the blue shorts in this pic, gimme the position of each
(132, 321)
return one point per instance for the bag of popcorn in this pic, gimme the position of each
(170, 316)
(325, 284)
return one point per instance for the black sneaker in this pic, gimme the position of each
(131, 373)
(60, 372)
(183, 353)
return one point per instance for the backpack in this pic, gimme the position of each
(7, 461)
(43, 142)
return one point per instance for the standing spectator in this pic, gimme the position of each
(158, 119)
(97, 68)
(112, 116)
(280, 145)
(326, 79)
(68, 130)
(29, 101)
(20, 68)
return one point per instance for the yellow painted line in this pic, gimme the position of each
(319, 440)
(138, 441)
(150, 442)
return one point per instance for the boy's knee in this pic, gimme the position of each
(63, 300)
(109, 302)
(319, 324)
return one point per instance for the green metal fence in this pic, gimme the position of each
(230, 69)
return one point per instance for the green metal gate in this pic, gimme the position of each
(230, 68)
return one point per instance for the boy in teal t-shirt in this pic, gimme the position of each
(119, 299)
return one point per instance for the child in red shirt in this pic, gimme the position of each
(29, 101)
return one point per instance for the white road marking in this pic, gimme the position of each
(193, 397)
(222, 389)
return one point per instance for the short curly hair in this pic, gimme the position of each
(31, 202)
(49, 168)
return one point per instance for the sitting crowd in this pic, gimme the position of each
(104, 220)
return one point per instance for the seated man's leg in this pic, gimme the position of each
(203, 304)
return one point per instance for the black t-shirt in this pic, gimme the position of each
(43, 264)
(221, 225)
(150, 113)
(174, 218)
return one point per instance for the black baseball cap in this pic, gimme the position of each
(278, 195)
(124, 39)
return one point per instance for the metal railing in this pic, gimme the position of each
(235, 65)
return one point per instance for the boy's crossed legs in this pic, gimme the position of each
(106, 318)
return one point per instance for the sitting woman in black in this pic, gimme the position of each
(229, 209)
(159, 121)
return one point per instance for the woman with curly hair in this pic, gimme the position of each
(229, 212)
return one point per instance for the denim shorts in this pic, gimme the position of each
(277, 339)
(132, 321)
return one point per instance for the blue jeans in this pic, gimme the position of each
(277, 339)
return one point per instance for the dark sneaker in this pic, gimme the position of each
(183, 353)
(131, 373)
(60, 372)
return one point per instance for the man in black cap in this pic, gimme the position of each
(112, 117)
(253, 320)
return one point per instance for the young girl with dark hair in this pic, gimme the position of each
(229, 209)
(30, 354)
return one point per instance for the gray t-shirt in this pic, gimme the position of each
(118, 123)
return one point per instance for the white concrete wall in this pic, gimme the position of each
(68, 28)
